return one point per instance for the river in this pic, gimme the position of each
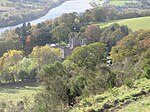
(67, 7)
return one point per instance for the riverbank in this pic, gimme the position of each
(68, 6)
(13, 13)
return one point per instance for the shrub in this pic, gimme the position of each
(128, 82)
(147, 72)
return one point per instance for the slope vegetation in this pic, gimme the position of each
(122, 99)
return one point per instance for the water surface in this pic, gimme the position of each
(67, 7)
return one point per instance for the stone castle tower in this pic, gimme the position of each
(76, 41)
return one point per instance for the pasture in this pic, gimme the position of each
(13, 93)
(121, 2)
(134, 24)
(118, 2)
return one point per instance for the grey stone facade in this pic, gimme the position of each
(74, 41)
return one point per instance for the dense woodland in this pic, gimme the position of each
(25, 55)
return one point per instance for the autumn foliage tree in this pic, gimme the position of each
(133, 44)
(113, 33)
(45, 55)
(131, 56)
(93, 33)
(10, 64)
(30, 43)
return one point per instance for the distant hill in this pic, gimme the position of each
(13, 12)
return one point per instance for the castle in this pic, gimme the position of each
(74, 41)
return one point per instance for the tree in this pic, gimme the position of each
(88, 56)
(60, 33)
(11, 60)
(31, 41)
(29, 26)
(29, 29)
(147, 72)
(131, 45)
(45, 55)
(23, 34)
(112, 34)
(68, 19)
(99, 80)
(93, 33)
(99, 14)
(131, 57)
(86, 17)
(27, 69)
(55, 81)
(8, 44)
(146, 63)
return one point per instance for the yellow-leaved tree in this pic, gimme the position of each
(45, 55)
(10, 64)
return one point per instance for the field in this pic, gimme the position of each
(134, 24)
(3, 1)
(121, 2)
(11, 94)
(122, 99)
(118, 2)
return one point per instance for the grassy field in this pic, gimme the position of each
(3, 1)
(10, 95)
(122, 99)
(119, 2)
(134, 24)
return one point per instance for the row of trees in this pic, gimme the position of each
(27, 42)
(15, 67)
(59, 29)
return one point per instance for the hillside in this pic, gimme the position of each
(13, 12)
(134, 24)
(142, 105)
(122, 99)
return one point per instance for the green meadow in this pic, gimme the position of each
(134, 24)
(10, 95)
(121, 2)
(3, 1)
